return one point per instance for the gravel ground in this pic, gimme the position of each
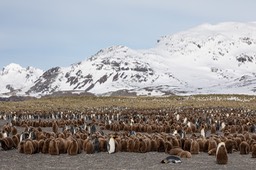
(121, 160)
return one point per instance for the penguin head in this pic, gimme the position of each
(165, 161)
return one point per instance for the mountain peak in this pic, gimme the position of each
(12, 66)
(218, 58)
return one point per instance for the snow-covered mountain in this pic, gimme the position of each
(206, 59)
(15, 80)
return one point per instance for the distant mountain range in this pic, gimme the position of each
(208, 59)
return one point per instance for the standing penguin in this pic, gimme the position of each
(96, 144)
(194, 148)
(221, 154)
(53, 147)
(244, 148)
(111, 145)
(55, 127)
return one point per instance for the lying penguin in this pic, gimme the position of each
(171, 159)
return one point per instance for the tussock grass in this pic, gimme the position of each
(85, 102)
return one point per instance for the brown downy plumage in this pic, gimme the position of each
(73, 147)
(7, 143)
(194, 149)
(21, 147)
(29, 147)
(221, 154)
(16, 140)
(212, 144)
(62, 144)
(184, 154)
(55, 127)
(89, 147)
(143, 146)
(53, 147)
(130, 145)
(254, 150)
(14, 130)
(175, 151)
(244, 148)
(45, 148)
(212, 151)
(187, 145)
(229, 145)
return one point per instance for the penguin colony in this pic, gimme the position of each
(181, 132)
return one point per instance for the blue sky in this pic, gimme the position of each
(48, 33)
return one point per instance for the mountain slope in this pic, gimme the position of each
(111, 69)
(15, 80)
(205, 59)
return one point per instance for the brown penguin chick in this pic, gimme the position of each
(187, 145)
(45, 148)
(124, 145)
(246, 128)
(213, 129)
(16, 140)
(85, 143)
(136, 145)
(103, 144)
(148, 143)
(233, 129)
(61, 135)
(36, 146)
(55, 127)
(229, 145)
(21, 147)
(168, 146)
(41, 135)
(247, 136)
(62, 144)
(14, 130)
(89, 149)
(175, 142)
(201, 144)
(118, 146)
(253, 136)
(160, 145)
(212, 144)
(28, 147)
(53, 147)
(212, 151)
(194, 149)
(7, 143)
(153, 145)
(40, 145)
(175, 151)
(73, 147)
(130, 145)
(237, 141)
(143, 146)
(206, 145)
(221, 154)
(254, 150)
(80, 145)
(193, 127)
(184, 154)
(244, 148)
(149, 129)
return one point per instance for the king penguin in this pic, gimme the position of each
(111, 145)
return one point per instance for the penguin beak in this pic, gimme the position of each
(164, 161)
